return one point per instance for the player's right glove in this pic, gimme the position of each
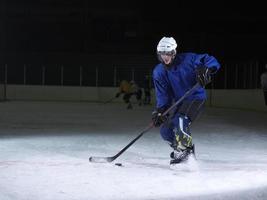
(158, 118)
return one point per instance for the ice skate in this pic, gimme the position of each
(181, 155)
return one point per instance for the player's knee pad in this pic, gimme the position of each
(177, 131)
(182, 135)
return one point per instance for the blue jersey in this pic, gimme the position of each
(173, 82)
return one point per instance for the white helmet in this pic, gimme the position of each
(167, 45)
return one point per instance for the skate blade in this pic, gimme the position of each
(189, 165)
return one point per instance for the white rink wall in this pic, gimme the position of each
(251, 99)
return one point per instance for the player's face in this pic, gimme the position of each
(167, 59)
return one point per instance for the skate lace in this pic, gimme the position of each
(180, 154)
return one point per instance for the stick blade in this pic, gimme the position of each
(95, 159)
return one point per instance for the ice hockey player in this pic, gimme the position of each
(136, 91)
(173, 77)
(125, 89)
(128, 89)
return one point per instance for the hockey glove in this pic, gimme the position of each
(203, 75)
(158, 118)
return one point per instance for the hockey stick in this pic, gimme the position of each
(150, 126)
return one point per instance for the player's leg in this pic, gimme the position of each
(126, 99)
(177, 132)
(183, 143)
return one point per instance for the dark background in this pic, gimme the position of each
(81, 32)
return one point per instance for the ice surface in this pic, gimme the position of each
(45, 147)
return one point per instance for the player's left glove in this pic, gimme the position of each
(158, 118)
(203, 75)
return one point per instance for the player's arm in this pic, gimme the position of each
(163, 99)
(206, 66)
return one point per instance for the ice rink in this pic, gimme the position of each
(45, 146)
